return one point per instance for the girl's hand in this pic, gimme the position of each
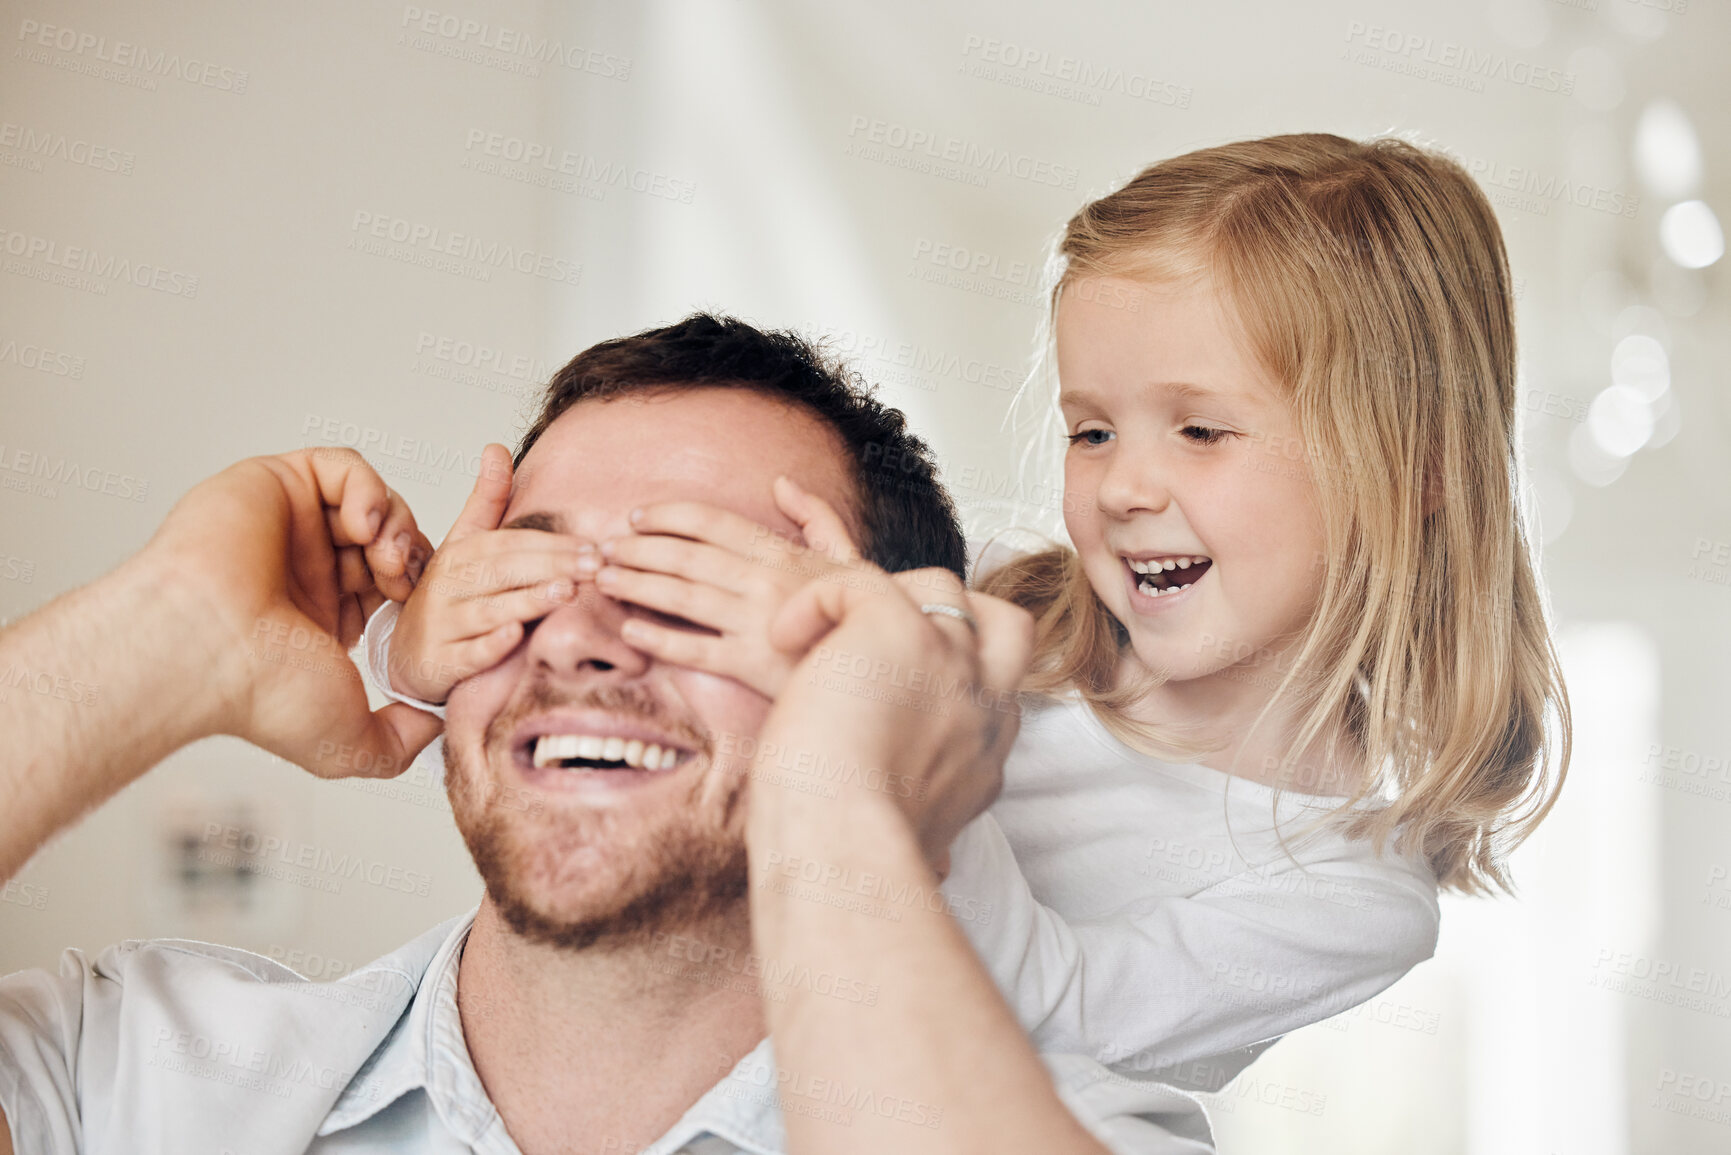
(730, 575)
(467, 613)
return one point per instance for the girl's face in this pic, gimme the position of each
(1186, 488)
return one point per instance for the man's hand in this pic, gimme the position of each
(234, 619)
(290, 554)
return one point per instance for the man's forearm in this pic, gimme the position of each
(95, 688)
(936, 1051)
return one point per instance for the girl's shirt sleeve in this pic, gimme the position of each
(1190, 989)
(376, 644)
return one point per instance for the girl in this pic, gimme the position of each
(1294, 670)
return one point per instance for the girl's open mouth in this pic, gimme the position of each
(1165, 575)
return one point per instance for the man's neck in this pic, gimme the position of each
(603, 1049)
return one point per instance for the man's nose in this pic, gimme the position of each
(582, 636)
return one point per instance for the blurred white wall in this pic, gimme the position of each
(197, 206)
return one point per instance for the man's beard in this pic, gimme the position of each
(681, 874)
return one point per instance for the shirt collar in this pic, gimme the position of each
(426, 1051)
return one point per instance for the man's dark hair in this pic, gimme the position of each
(904, 515)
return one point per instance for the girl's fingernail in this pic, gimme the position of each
(636, 516)
(586, 547)
(607, 548)
(588, 564)
(558, 591)
(607, 576)
(374, 520)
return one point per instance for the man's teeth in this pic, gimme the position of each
(552, 749)
(1169, 563)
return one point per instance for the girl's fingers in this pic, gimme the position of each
(819, 524)
(695, 651)
(701, 521)
(814, 610)
(483, 653)
(512, 564)
(692, 560)
(489, 496)
(1006, 640)
(700, 604)
(485, 614)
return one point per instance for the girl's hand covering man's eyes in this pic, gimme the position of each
(482, 585)
(729, 575)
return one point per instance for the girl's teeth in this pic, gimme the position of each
(1154, 591)
(1166, 564)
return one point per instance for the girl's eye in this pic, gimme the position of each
(1201, 434)
(1090, 437)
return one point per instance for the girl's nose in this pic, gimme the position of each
(1133, 483)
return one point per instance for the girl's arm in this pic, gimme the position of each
(1177, 986)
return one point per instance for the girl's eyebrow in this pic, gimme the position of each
(1177, 390)
(545, 522)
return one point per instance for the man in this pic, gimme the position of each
(549, 1020)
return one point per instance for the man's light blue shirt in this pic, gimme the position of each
(182, 1047)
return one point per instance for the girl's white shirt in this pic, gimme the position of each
(1146, 912)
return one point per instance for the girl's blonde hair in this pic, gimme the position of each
(1372, 281)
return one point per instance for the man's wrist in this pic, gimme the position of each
(196, 657)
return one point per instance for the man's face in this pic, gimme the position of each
(614, 853)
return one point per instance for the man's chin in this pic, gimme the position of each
(585, 881)
(622, 917)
